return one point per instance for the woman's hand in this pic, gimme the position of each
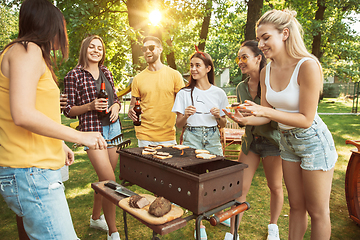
(190, 110)
(252, 108)
(99, 104)
(215, 111)
(237, 117)
(114, 112)
(92, 140)
(69, 155)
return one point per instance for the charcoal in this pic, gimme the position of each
(136, 201)
(160, 207)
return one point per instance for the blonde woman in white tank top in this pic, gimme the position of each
(291, 84)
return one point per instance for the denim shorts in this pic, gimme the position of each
(313, 147)
(207, 138)
(109, 132)
(144, 143)
(263, 147)
(37, 195)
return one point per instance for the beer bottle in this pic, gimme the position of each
(102, 94)
(137, 110)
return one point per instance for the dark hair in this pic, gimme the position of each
(253, 46)
(42, 23)
(206, 58)
(83, 58)
(152, 38)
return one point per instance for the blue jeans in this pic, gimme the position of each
(313, 147)
(109, 132)
(37, 195)
(207, 138)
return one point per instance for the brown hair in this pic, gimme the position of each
(206, 58)
(83, 58)
(42, 23)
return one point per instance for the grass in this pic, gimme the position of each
(255, 220)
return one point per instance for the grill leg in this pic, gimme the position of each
(125, 225)
(198, 220)
(236, 226)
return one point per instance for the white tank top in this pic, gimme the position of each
(286, 100)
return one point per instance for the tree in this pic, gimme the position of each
(253, 14)
(9, 22)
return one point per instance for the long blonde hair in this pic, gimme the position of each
(294, 44)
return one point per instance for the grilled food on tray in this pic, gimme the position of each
(159, 207)
(137, 201)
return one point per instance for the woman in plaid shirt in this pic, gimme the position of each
(82, 85)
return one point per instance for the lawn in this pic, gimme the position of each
(255, 220)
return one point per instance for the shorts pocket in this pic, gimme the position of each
(329, 139)
(305, 134)
(10, 192)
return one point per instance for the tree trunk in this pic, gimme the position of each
(253, 15)
(319, 16)
(170, 58)
(137, 15)
(205, 25)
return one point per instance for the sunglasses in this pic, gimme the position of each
(243, 59)
(150, 47)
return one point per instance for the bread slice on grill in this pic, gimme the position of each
(198, 151)
(167, 145)
(162, 155)
(153, 146)
(205, 156)
(147, 151)
(180, 147)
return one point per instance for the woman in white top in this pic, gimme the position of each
(291, 85)
(198, 109)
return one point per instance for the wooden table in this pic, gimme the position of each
(173, 225)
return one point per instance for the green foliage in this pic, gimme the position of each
(107, 19)
(181, 24)
(8, 23)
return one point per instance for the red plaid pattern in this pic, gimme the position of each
(81, 89)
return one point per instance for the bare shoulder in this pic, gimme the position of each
(310, 73)
(309, 66)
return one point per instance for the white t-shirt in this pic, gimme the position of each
(204, 100)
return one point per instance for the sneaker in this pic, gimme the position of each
(273, 232)
(226, 222)
(99, 223)
(229, 236)
(203, 235)
(114, 236)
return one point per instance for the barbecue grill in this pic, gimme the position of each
(196, 184)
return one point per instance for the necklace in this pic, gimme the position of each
(251, 90)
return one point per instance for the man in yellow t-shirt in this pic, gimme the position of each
(156, 87)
